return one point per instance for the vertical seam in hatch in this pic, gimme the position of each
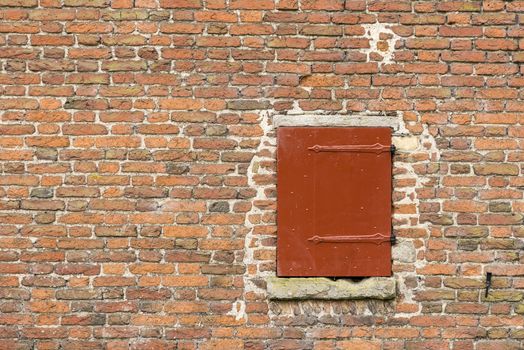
(314, 206)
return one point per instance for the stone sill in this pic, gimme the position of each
(279, 288)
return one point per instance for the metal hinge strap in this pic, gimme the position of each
(377, 238)
(375, 148)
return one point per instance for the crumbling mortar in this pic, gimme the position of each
(373, 32)
(425, 138)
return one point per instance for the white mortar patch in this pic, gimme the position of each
(238, 310)
(405, 143)
(384, 47)
(265, 148)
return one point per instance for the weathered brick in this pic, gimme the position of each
(496, 169)
(137, 173)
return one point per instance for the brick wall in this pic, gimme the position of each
(137, 179)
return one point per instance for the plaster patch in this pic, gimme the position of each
(264, 152)
(384, 46)
(238, 310)
(405, 143)
(404, 252)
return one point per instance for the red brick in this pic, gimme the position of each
(137, 173)
(180, 3)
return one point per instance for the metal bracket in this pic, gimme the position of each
(393, 239)
(393, 149)
(375, 148)
(488, 283)
(377, 238)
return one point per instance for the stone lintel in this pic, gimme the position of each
(323, 288)
(337, 120)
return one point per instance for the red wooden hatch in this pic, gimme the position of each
(334, 202)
